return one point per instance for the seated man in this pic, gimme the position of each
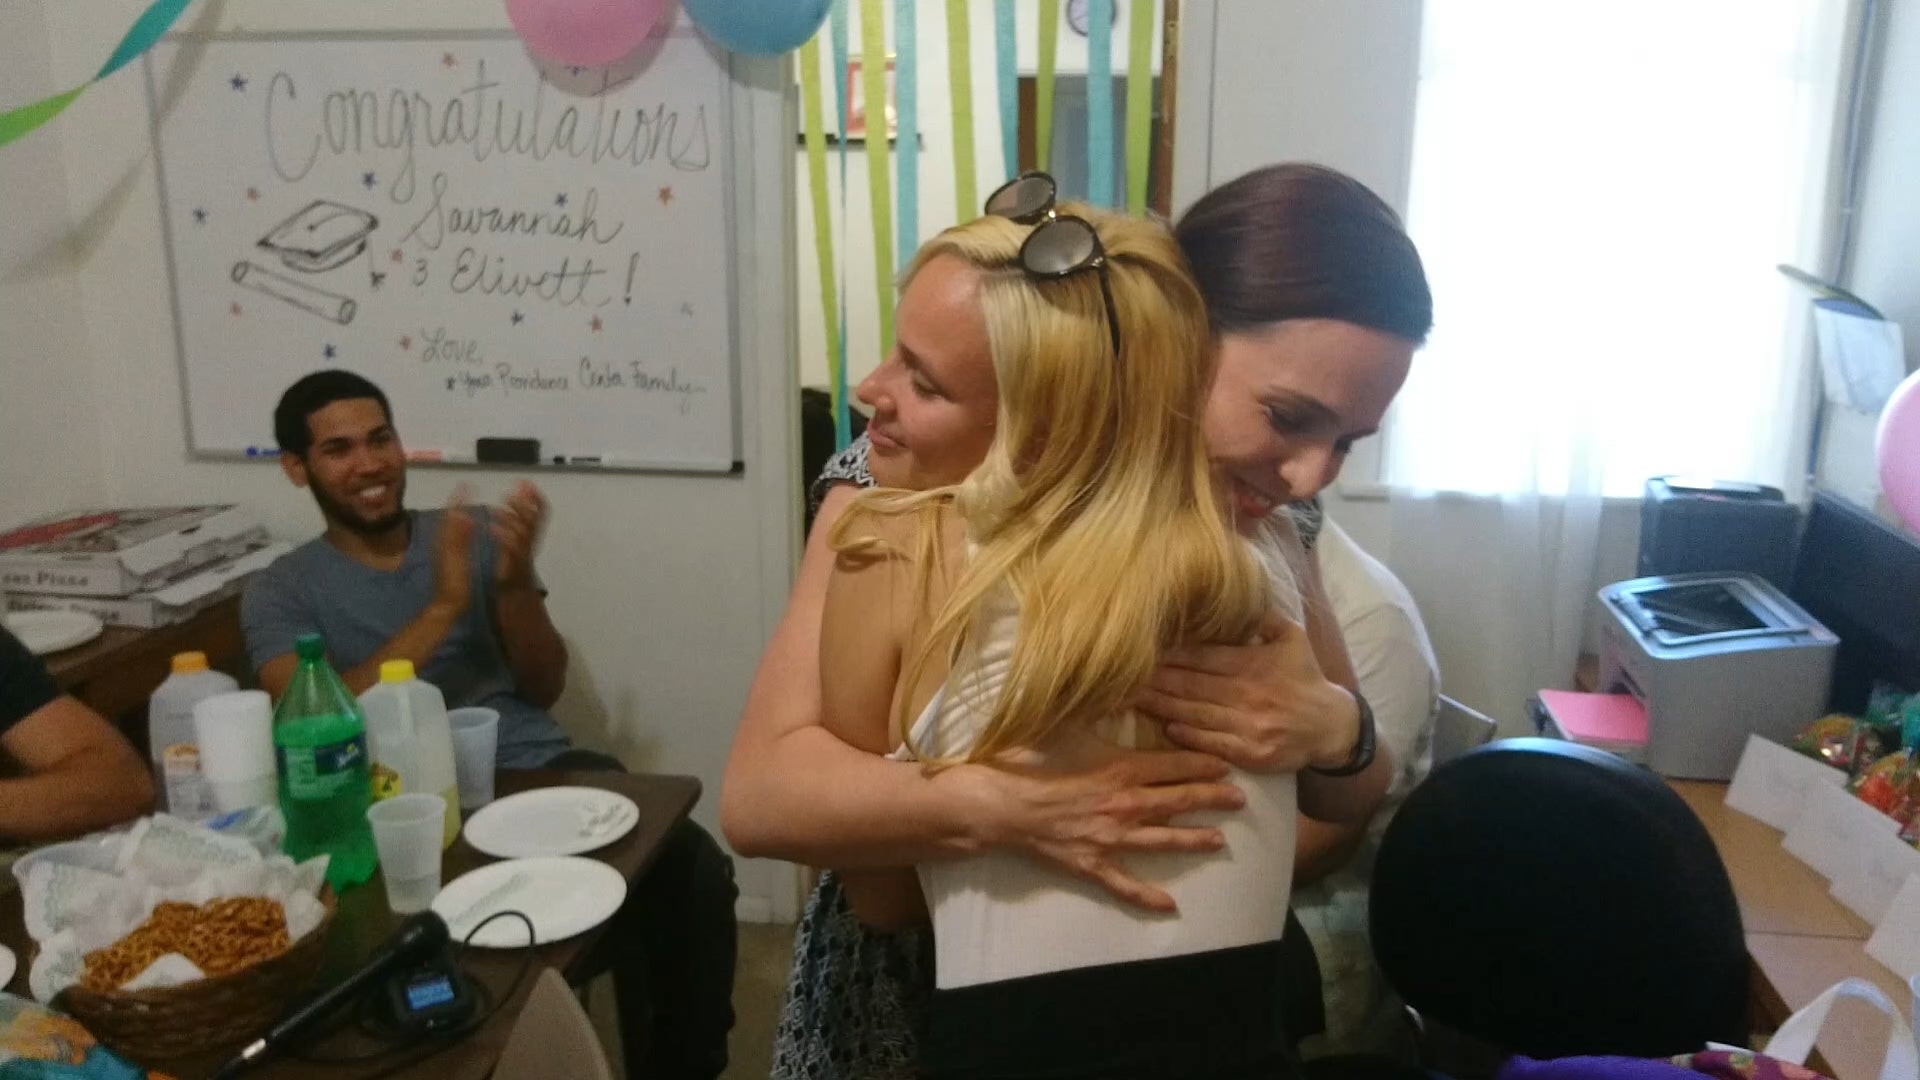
(79, 773)
(1334, 863)
(455, 592)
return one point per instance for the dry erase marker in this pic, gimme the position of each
(577, 459)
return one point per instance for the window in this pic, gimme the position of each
(1601, 192)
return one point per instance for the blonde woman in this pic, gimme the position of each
(1016, 615)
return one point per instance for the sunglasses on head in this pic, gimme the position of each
(1060, 245)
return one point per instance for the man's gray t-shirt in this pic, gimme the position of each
(316, 589)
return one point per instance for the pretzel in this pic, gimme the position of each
(220, 937)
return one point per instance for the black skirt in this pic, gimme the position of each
(1206, 1016)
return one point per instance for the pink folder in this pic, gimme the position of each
(1604, 721)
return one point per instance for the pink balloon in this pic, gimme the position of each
(1897, 447)
(584, 33)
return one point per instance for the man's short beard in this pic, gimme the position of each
(346, 518)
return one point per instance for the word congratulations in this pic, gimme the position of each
(355, 121)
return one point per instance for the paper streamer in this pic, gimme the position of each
(814, 125)
(1049, 45)
(966, 195)
(1140, 31)
(141, 36)
(837, 28)
(1100, 102)
(873, 69)
(1006, 68)
(906, 77)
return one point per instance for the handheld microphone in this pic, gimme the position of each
(419, 938)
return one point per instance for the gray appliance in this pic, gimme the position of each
(1713, 657)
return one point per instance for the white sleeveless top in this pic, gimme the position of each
(1003, 915)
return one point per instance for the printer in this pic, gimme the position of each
(1713, 657)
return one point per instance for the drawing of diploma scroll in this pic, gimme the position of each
(320, 302)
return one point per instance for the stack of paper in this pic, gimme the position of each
(1616, 723)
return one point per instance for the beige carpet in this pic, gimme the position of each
(759, 988)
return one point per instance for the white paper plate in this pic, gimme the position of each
(7, 964)
(552, 821)
(45, 632)
(563, 895)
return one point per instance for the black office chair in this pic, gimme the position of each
(1548, 899)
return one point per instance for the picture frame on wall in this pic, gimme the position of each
(857, 102)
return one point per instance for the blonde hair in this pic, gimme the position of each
(1095, 505)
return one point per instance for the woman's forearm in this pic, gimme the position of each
(813, 799)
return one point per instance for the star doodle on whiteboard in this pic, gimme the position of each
(596, 324)
(560, 199)
(199, 215)
(517, 317)
(253, 194)
(235, 308)
(328, 351)
(406, 343)
(447, 60)
(686, 308)
(397, 255)
(369, 180)
(666, 195)
(238, 82)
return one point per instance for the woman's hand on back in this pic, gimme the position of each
(1085, 822)
(1267, 707)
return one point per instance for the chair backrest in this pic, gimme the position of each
(1458, 729)
(1551, 900)
(552, 1037)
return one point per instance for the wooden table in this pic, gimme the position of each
(116, 672)
(1801, 940)
(363, 923)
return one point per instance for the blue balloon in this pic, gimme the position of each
(759, 27)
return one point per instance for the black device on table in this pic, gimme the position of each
(432, 999)
(411, 994)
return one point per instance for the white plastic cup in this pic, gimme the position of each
(476, 741)
(406, 833)
(235, 735)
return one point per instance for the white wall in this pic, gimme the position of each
(664, 586)
(49, 457)
(1886, 256)
(853, 230)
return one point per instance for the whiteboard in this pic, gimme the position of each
(507, 248)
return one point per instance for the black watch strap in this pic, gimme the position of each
(1363, 748)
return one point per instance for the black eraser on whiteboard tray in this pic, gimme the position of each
(490, 450)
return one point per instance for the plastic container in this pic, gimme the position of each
(320, 741)
(411, 744)
(174, 748)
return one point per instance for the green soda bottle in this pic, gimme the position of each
(320, 739)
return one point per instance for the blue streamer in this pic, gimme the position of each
(906, 77)
(842, 417)
(141, 36)
(1100, 103)
(1006, 65)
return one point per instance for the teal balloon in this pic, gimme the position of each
(758, 27)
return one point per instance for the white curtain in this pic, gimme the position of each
(1601, 191)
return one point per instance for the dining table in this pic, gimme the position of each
(362, 923)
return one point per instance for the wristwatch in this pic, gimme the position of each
(1363, 749)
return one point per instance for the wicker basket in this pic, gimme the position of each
(193, 1018)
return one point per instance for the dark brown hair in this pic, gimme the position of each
(313, 393)
(1300, 241)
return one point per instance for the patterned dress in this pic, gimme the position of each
(857, 999)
